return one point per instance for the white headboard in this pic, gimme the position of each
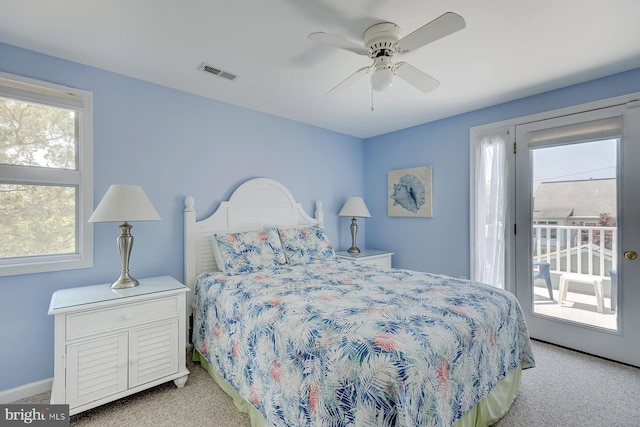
(256, 203)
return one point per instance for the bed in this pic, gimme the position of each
(300, 338)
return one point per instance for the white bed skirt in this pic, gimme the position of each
(487, 412)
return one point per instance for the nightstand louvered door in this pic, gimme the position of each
(152, 353)
(96, 369)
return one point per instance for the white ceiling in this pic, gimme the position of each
(508, 50)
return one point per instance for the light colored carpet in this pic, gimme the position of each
(566, 389)
(571, 389)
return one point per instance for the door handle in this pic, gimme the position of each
(630, 255)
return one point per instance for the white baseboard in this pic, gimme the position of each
(24, 391)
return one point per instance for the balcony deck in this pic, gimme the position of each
(577, 307)
(588, 250)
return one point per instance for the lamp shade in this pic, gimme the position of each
(355, 207)
(124, 203)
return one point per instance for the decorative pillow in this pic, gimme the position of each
(248, 251)
(305, 245)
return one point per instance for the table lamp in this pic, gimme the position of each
(124, 203)
(355, 208)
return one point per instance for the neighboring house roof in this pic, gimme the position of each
(575, 199)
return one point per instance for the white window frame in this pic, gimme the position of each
(81, 101)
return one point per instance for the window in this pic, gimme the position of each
(46, 186)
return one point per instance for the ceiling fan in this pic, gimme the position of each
(382, 41)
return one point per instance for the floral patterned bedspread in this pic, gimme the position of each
(349, 344)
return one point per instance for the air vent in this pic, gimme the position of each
(216, 72)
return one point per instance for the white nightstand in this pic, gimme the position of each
(110, 343)
(368, 256)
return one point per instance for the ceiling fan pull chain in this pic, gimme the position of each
(372, 109)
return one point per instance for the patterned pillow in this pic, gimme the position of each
(248, 251)
(305, 245)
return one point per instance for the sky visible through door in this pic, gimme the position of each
(590, 160)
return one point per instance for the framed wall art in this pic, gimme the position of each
(410, 192)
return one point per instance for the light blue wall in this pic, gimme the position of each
(173, 144)
(441, 244)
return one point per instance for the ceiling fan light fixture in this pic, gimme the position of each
(382, 79)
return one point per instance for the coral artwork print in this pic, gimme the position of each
(410, 192)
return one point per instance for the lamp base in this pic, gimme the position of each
(354, 231)
(125, 281)
(125, 243)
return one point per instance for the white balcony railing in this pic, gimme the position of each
(576, 249)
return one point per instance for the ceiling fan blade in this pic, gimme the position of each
(350, 80)
(339, 42)
(440, 27)
(416, 78)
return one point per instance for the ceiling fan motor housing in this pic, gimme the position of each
(381, 39)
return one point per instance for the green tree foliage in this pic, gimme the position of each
(37, 219)
(37, 135)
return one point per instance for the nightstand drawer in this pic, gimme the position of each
(382, 261)
(125, 316)
(368, 256)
